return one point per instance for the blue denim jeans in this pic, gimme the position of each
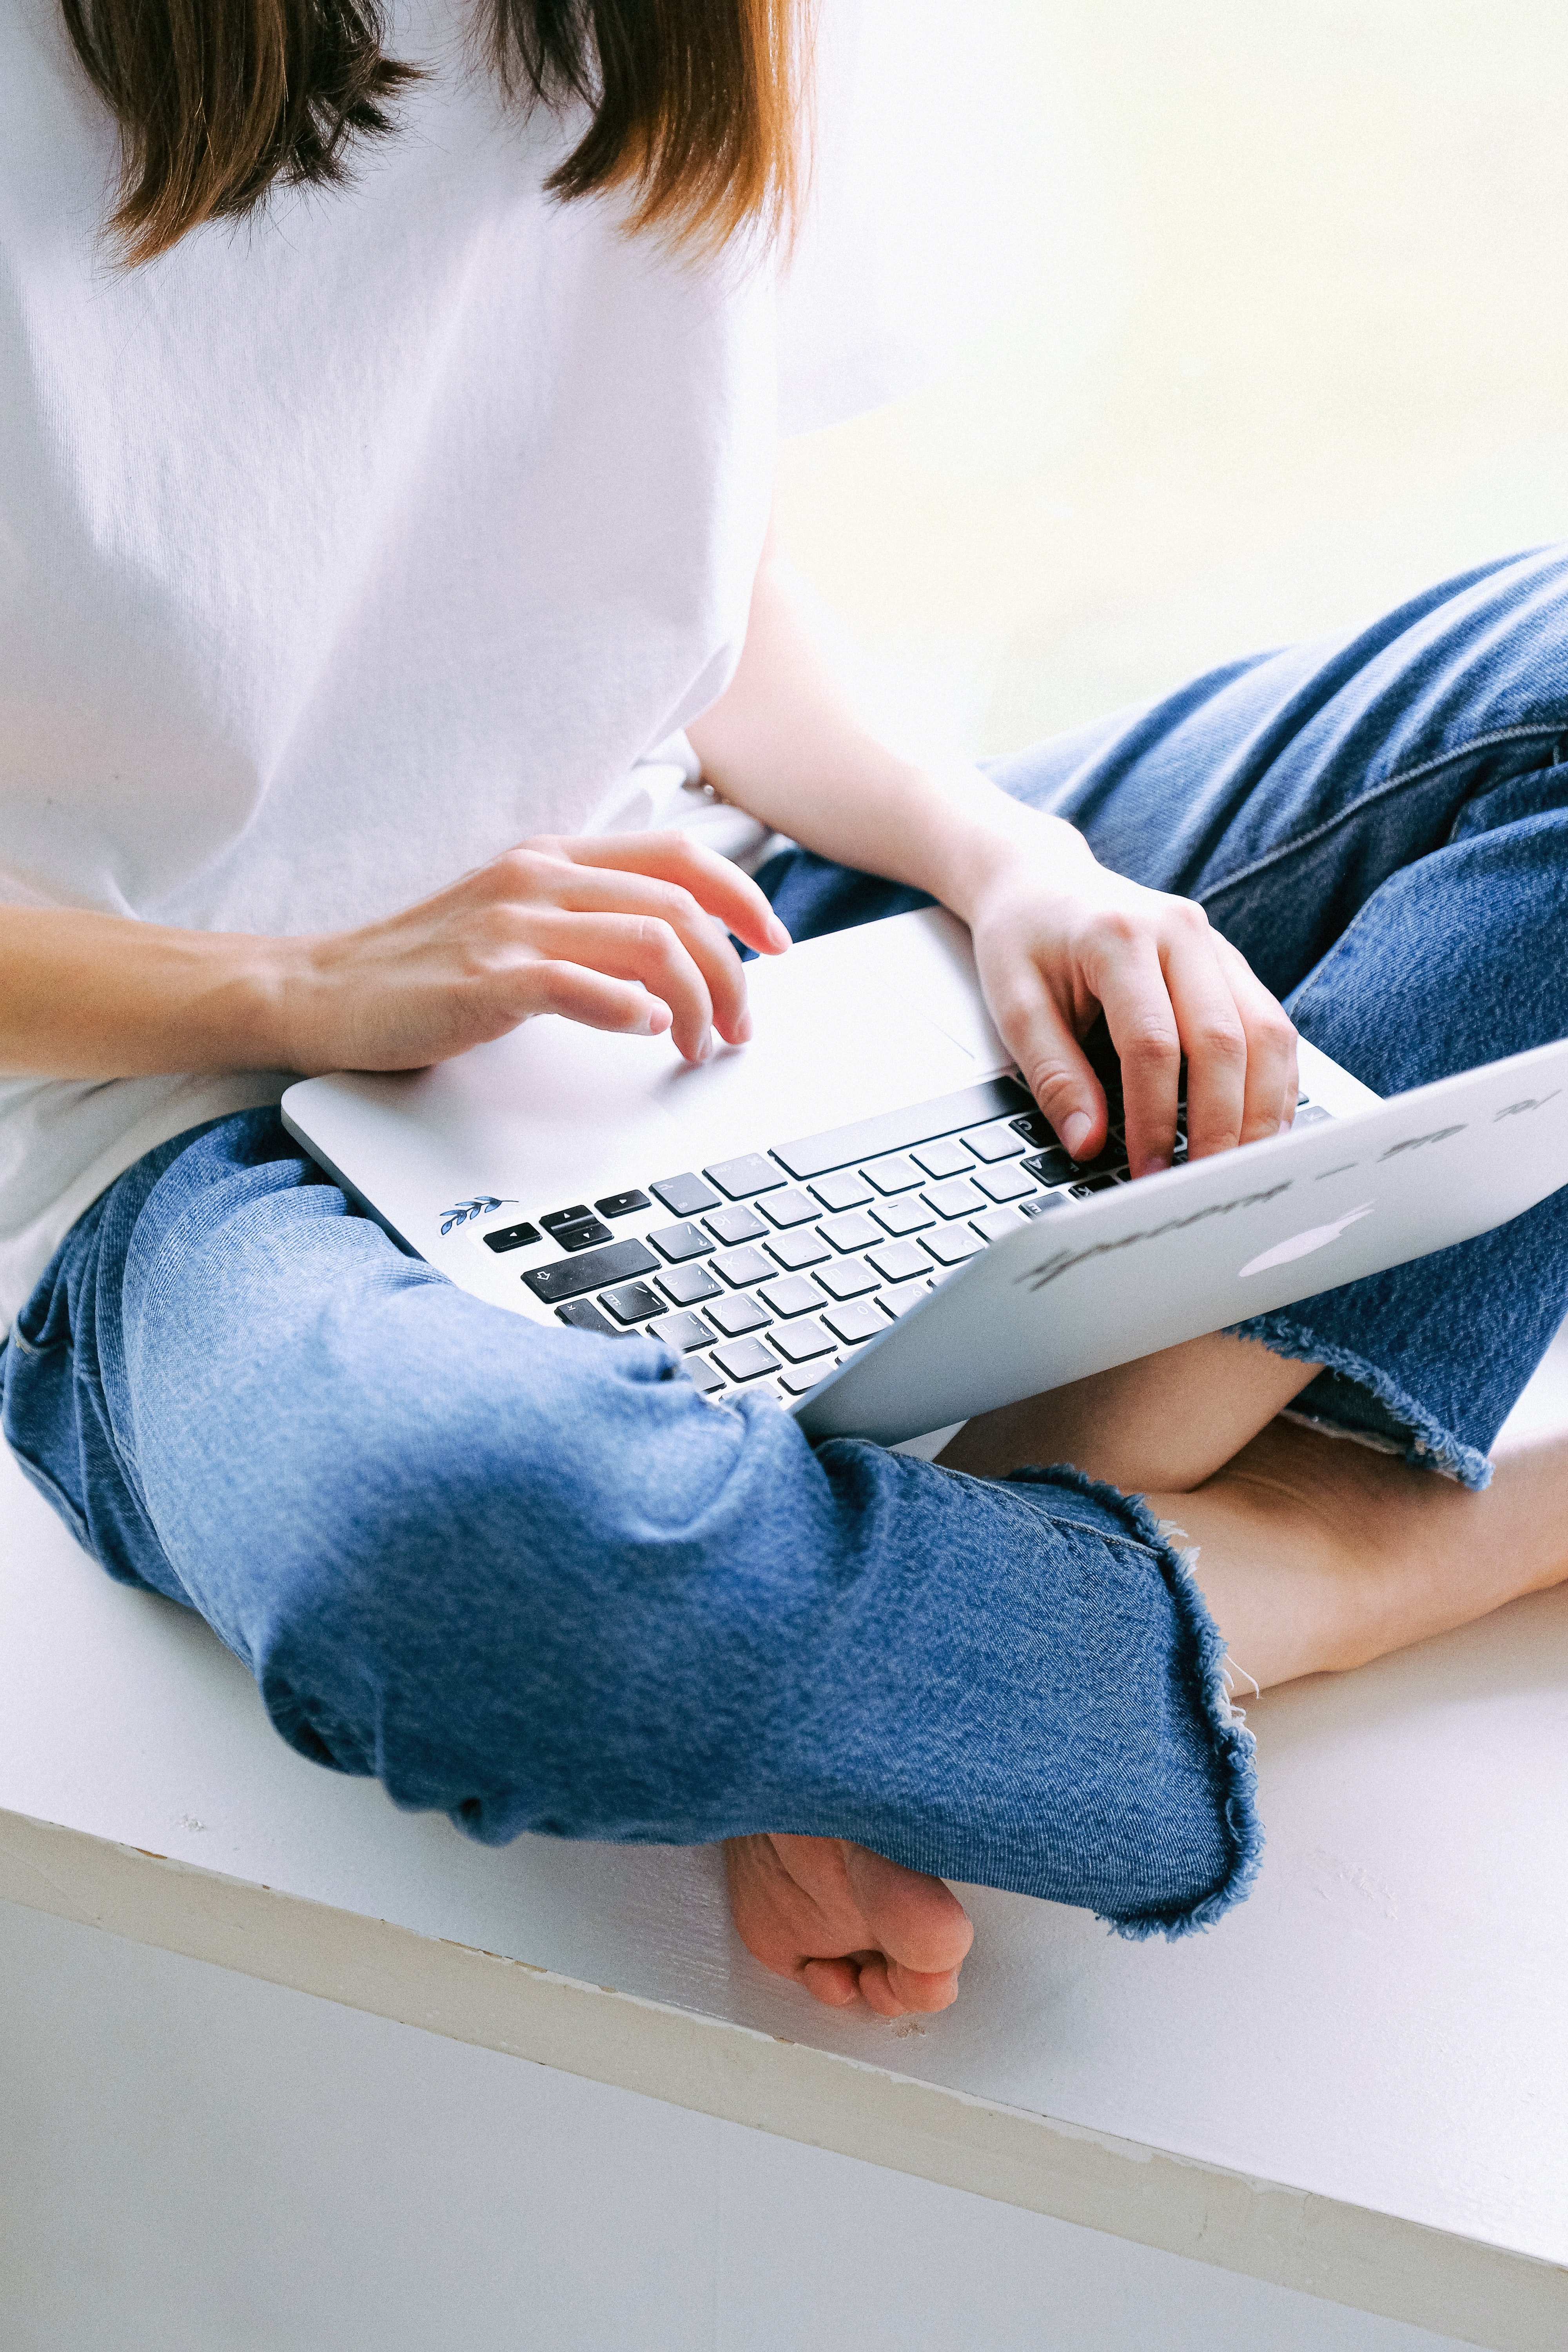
(527, 1577)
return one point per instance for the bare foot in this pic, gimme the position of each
(844, 1921)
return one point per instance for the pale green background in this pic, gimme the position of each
(1252, 315)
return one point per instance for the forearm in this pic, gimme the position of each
(627, 932)
(100, 996)
(784, 743)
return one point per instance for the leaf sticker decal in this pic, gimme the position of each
(463, 1211)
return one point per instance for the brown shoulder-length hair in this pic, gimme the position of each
(694, 105)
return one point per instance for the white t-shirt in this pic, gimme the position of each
(342, 548)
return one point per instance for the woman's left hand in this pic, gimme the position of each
(1060, 939)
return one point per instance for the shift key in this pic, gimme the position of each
(590, 1270)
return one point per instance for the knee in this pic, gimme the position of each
(473, 1520)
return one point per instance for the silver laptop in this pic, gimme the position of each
(863, 1215)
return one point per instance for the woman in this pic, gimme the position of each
(386, 482)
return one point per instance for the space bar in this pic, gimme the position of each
(813, 1155)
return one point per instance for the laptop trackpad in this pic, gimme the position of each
(845, 1027)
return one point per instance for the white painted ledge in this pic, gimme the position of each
(1357, 2085)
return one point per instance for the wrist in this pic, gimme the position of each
(993, 845)
(278, 1005)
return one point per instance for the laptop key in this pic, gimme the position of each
(849, 1278)
(798, 1380)
(1007, 1182)
(621, 1205)
(686, 1284)
(733, 1315)
(743, 1178)
(512, 1237)
(734, 1225)
(572, 1277)
(957, 1198)
(586, 1233)
(853, 1231)
(799, 1342)
(803, 1247)
(556, 1218)
(1053, 1167)
(945, 1157)
(1042, 1202)
(791, 1207)
(702, 1375)
(896, 1174)
(901, 1131)
(583, 1315)
(998, 1141)
(677, 1243)
(950, 1245)
(994, 1223)
(908, 1294)
(745, 1360)
(897, 1261)
(682, 1332)
(844, 1191)
(857, 1321)
(902, 1216)
(739, 1266)
(792, 1294)
(684, 1196)
(634, 1302)
(1034, 1128)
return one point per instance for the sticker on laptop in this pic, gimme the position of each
(483, 1205)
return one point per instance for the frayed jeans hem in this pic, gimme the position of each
(1202, 1660)
(1408, 1429)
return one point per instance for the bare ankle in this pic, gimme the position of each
(1317, 1556)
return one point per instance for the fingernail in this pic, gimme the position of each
(656, 1021)
(1286, 1125)
(743, 1030)
(1075, 1134)
(778, 936)
(706, 1050)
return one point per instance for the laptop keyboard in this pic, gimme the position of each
(765, 1272)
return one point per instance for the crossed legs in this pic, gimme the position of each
(1314, 1554)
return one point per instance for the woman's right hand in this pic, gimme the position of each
(620, 931)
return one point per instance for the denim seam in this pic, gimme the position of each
(1119, 1535)
(53, 1493)
(1430, 1446)
(1394, 784)
(1232, 1744)
(1085, 1527)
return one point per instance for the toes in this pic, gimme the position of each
(845, 1922)
(926, 1993)
(832, 1982)
(889, 1989)
(914, 1919)
(874, 1990)
(893, 1992)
